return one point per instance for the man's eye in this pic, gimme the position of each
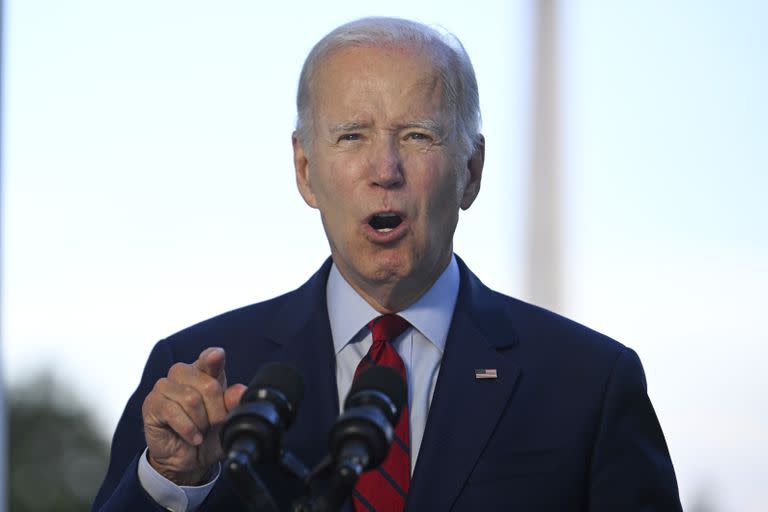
(418, 136)
(349, 137)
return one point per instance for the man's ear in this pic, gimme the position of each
(475, 174)
(301, 165)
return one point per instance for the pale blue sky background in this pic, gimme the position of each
(148, 185)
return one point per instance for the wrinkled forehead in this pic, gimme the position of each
(405, 67)
(432, 61)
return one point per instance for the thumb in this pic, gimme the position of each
(211, 361)
(233, 395)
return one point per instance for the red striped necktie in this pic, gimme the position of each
(385, 488)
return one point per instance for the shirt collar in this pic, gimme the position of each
(431, 315)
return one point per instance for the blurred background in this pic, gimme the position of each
(148, 185)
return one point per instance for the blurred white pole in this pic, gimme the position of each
(3, 414)
(544, 211)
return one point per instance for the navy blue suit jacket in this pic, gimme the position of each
(566, 426)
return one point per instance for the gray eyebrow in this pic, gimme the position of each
(425, 124)
(348, 126)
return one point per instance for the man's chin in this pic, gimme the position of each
(387, 271)
(377, 269)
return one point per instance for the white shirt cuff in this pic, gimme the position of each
(169, 495)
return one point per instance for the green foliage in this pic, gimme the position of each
(57, 456)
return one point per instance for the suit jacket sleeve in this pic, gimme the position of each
(121, 489)
(631, 467)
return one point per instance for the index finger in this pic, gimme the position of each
(211, 362)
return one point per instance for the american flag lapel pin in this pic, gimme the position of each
(486, 373)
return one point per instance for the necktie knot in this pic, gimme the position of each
(386, 328)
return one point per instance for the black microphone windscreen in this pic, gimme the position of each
(385, 380)
(281, 377)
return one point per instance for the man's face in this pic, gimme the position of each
(384, 171)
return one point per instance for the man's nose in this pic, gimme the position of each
(387, 165)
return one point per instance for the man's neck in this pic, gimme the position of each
(392, 297)
(430, 314)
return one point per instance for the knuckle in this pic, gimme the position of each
(176, 370)
(192, 399)
(152, 398)
(186, 429)
(211, 387)
(161, 385)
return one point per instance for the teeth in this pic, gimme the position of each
(384, 230)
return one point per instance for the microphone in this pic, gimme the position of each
(361, 436)
(253, 431)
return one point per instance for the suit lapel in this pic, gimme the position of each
(302, 337)
(464, 409)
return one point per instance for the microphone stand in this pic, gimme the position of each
(257, 498)
(342, 482)
(249, 486)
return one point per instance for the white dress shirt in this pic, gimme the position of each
(421, 348)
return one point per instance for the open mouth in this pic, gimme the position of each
(385, 222)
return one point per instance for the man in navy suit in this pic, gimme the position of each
(511, 407)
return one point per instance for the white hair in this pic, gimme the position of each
(454, 68)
